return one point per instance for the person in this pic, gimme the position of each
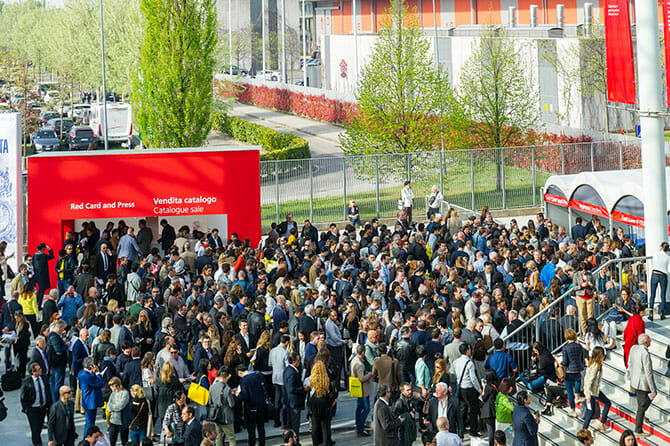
(362, 403)
(584, 295)
(28, 302)
(421, 371)
(253, 393)
(167, 385)
(35, 401)
(172, 423)
(434, 202)
(634, 328)
(353, 214)
(584, 437)
(386, 425)
(22, 342)
(203, 381)
(289, 438)
(61, 420)
(221, 405)
(500, 361)
(57, 350)
(168, 236)
(93, 434)
(488, 406)
(627, 438)
(469, 389)
(294, 393)
(404, 406)
(573, 361)
(139, 414)
(660, 263)
(504, 406)
(209, 434)
(321, 401)
(41, 269)
(192, 427)
(499, 438)
(592, 393)
(118, 407)
(443, 436)
(525, 423)
(407, 199)
(544, 368)
(278, 361)
(640, 374)
(90, 383)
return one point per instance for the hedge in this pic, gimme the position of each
(277, 146)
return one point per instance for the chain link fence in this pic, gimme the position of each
(501, 178)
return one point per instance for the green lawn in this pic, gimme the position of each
(456, 186)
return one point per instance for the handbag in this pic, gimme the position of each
(355, 387)
(560, 370)
(198, 394)
(3, 409)
(417, 394)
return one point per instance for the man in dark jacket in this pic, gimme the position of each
(386, 424)
(253, 393)
(294, 392)
(144, 237)
(256, 322)
(57, 357)
(309, 232)
(168, 236)
(35, 401)
(192, 427)
(525, 424)
(132, 372)
(405, 352)
(61, 420)
(41, 267)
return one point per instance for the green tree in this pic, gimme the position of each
(403, 99)
(172, 92)
(496, 94)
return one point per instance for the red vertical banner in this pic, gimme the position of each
(666, 43)
(619, 48)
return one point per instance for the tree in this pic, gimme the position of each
(403, 99)
(241, 48)
(497, 95)
(172, 91)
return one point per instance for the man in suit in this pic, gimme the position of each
(386, 425)
(105, 263)
(57, 356)
(294, 393)
(525, 424)
(214, 241)
(253, 393)
(35, 401)
(204, 260)
(202, 351)
(245, 342)
(41, 268)
(492, 277)
(168, 236)
(39, 355)
(192, 427)
(641, 377)
(308, 322)
(144, 237)
(61, 420)
(441, 406)
(90, 384)
(358, 370)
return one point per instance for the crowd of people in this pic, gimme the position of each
(190, 339)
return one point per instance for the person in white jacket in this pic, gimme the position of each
(592, 393)
(407, 198)
(434, 202)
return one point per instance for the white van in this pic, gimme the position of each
(119, 120)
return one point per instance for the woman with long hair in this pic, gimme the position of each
(592, 392)
(594, 336)
(22, 342)
(167, 385)
(488, 398)
(28, 301)
(504, 406)
(117, 406)
(262, 357)
(441, 374)
(321, 402)
(202, 380)
(232, 359)
(627, 438)
(171, 423)
(573, 361)
(143, 333)
(139, 414)
(634, 327)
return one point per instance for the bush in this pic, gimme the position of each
(277, 146)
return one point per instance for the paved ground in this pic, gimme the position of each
(322, 137)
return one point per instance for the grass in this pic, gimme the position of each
(457, 189)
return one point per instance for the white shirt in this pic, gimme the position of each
(446, 438)
(40, 392)
(469, 379)
(407, 196)
(660, 262)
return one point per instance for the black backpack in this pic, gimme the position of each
(11, 380)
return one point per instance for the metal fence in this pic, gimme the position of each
(501, 178)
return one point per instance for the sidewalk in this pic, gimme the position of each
(323, 138)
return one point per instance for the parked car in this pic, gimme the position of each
(80, 113)
(236, 70)
(44, 140)
(51, 96)
(45, 116)
(269, 75)
(81, 138)
(60, 126)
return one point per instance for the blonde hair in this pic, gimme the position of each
(115, 382)
(319, 380)
(137, 391)
(597, 357)
(167, 372)
(265, 340)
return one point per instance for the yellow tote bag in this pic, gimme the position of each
(198, 394)
(355, 387)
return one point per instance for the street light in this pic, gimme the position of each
(263, 33)
(304, 47)
(230, 37)
(284, 75)
(104, 80)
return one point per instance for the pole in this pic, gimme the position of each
(377, 182)
(562, 159)
(263, 34)
(592, 162)
(409, 167)
(304, 46)
(472, 177)
(621, 155)
(230, 39)
(284, 75)
(277, 188)
(104, 79)
(502, 171)
(651, 124)
(311, 191)
(533, 169)
(355, 26)
(344, 188)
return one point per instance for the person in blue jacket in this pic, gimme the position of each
(525, 423)
(90, 384)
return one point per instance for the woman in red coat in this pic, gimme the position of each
(634, 328)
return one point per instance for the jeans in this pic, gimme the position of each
(535, 384)
(656, 280)
(137, 436)
(589, 413)
(293, 420)
(279, 409)
(643, 403)
(56, 381)
(573, 382)
(355, 221)
(362, 411)
(89, 415)
(255, 420)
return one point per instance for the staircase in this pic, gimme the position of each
(562, 429)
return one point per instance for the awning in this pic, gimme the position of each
(554, 195)
(629, 210)
(586, 199)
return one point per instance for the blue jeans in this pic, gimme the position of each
(573, 382)
(362, 411)
(137, 436)
(89, 415)
(537, 383)
(656, 280)
(589, 413)
(56, 381)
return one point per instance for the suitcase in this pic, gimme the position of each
(11, 380)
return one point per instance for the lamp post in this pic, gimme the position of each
(355, 26)
(230, 37)
(263, 33)
(304, 46)
(284, 74)
(104, 80)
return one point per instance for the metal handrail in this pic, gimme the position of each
(560, 298)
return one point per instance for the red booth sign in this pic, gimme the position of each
(143, 183)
